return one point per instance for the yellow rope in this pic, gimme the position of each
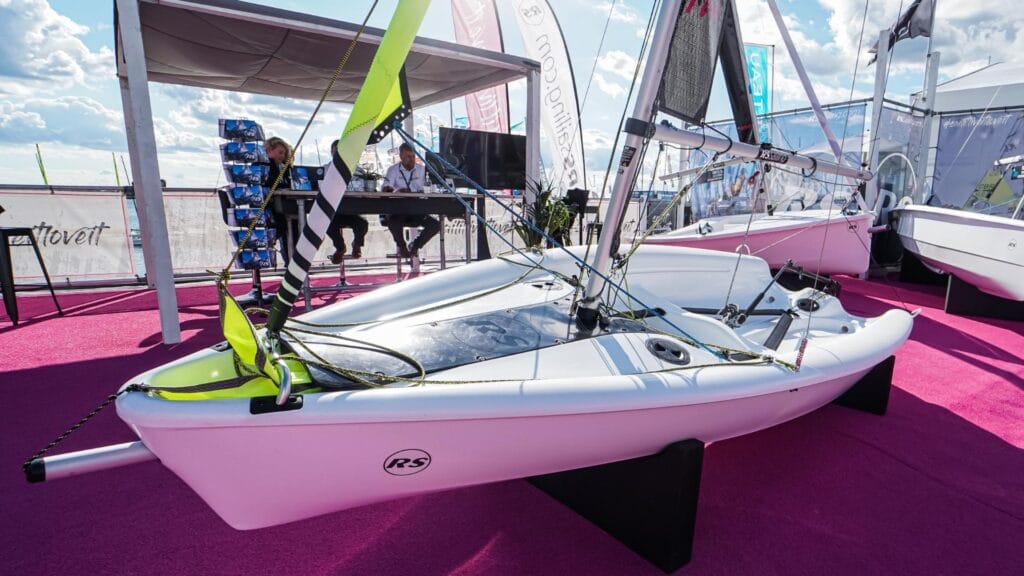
(225, 274)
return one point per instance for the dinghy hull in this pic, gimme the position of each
(986, 251)
(259, 476)
(587, 401)
(797, 236)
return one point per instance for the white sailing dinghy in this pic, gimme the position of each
(821, 241)
(826, 240)
(496, 370)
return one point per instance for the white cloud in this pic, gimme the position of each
(612, 89)
(967, 33)
(623, 16)
(69, 120)
(619, 63)
(41, 51)
(596, 139)
(623, 13)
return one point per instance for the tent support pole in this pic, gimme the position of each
(931, 80)
(881, 66)
(146, 170)
(532, 133)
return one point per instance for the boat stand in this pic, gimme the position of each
(964, 299)
(649, 503)
(914, 272)
(871, 393)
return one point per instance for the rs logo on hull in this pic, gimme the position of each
(406, 462)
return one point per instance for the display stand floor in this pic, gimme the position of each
(933, 487)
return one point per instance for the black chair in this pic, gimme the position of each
(7, 286)
(576, 199)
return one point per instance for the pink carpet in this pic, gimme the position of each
(934, 487)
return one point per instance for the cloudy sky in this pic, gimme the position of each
(58, 88)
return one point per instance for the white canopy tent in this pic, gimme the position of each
(995, 86)
(239, 46)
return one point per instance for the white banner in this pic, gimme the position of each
(560, 117)
(82, 235)
(199, 239)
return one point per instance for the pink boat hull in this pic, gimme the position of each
(836, 244)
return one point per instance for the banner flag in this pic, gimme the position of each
(477, 25)
(559, 107)
(916, 21)
(760, 90)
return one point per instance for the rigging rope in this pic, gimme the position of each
(417, 145)
(839, 160)
(225, 273)
(618, 133)
(586, 94)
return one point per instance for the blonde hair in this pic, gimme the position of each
(275, 141)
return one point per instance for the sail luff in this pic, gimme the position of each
(373, 105)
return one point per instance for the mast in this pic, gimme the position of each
(931, 78)
(881, 68)
(643, 111)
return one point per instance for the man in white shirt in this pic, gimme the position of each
(408, 176)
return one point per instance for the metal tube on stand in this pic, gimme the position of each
(85, 461)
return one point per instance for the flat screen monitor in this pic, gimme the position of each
(491, 159)
(306, 177)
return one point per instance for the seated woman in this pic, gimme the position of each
(278, 153)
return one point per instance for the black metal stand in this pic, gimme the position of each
(649, 504)
(914, 272)
(871, 393)
(964, 299)
(7, 287)
(256, 296)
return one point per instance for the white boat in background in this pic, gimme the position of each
(982, 250)
(819, 241)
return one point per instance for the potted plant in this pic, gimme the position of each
(369, 178)
(548, 214)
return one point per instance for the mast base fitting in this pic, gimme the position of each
(586, 318)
